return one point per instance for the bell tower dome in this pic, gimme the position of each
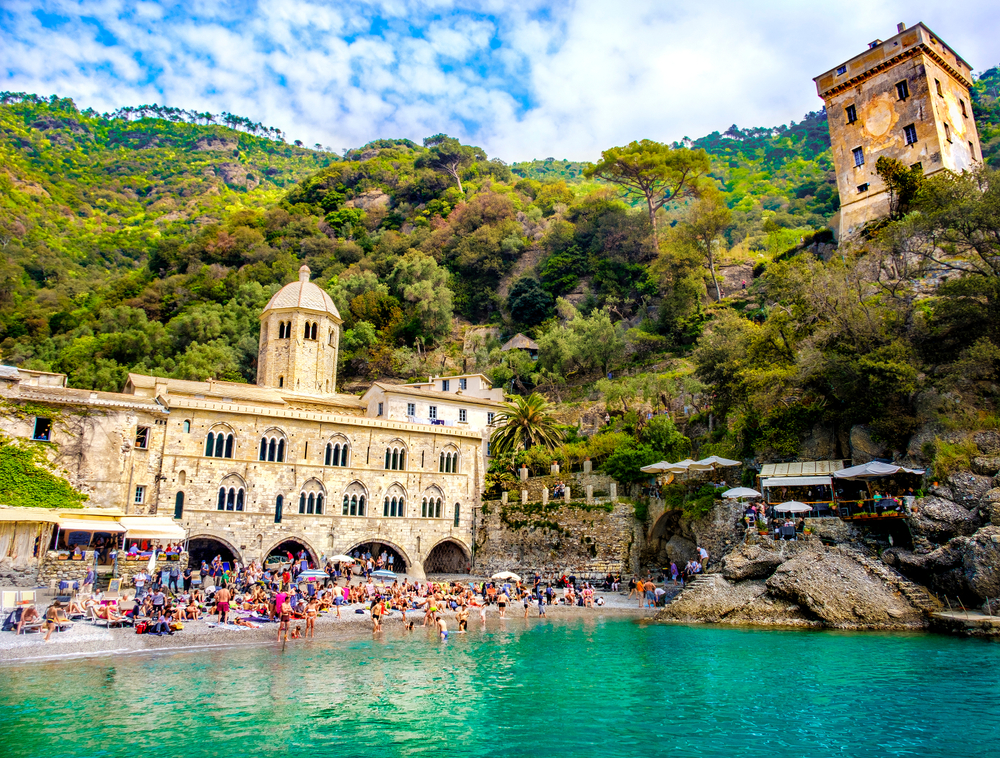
(299, 339)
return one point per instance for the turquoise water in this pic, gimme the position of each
(571, 688)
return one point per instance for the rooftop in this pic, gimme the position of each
(304, 295)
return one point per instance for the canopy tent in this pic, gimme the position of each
(46, 515)
(797, 481)
(875, 470)
(656, 468)
(741, 492)
(792, 506)
(715, 461)
(152, 527)
(90, 525)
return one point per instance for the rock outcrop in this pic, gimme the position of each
(864, 448)
(939, 520)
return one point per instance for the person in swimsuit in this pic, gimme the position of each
(463, 619)
(441, 626)
(312, 610)
(284, 618)
(222, 604)
(378, 610)
(502, 604)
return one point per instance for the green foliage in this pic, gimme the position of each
(528, 303)
(26, 479)
(693, 503)
(524, 423)
(903, 183)
(952, 457)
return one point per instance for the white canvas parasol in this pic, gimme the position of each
(792, 506)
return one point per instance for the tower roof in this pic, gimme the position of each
(302, 294)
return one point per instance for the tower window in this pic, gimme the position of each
(863, 187)
(937, 85)
(852, 114)
(312, 332)
(281, 330)
(903, 90)
(842, 70)
(281, 381)
(859, 156)
(965, 113)
(947, 132)
(910, 133)
(972, 151)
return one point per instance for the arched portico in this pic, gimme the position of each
(293, 545)
(205, 545)
(449, 556)
(375, 544)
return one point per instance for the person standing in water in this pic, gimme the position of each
(442, 627)
(284, 617)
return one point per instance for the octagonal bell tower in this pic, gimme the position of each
(299, 339)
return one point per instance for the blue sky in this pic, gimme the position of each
(527, 79)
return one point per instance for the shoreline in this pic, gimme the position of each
(86, 640)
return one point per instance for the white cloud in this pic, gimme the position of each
(568, 79)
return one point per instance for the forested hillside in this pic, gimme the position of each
(149, 240)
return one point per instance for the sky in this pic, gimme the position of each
(527, 79)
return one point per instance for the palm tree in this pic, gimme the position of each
(523, 423)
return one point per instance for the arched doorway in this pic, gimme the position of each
(205, 548)
(295, 547)
(382, 549)
(667, 543)
(447, 557)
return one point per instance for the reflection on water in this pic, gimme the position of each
(567, 688)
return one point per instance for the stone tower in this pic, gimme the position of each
(906, 98)
(299, 339)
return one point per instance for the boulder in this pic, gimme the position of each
(680, 550)
(989, 506)
(987, 442)
(940, 520)
(966, 567)
(840, 593)
(712, 602)
(986, 465)
(864, 448)
(751, 562)
(981, 562)
(819, 445)
(967, 489)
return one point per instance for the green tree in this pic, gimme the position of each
(704, 228)
(528, 303)
(523, 423)
(657, 173)
(423, 284)
(903, 183)
(449, 156)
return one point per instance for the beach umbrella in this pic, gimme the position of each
(312, 576)
(741, 492)
(714, 461)
(384, 574)
(656, 468)
(151, 566)
(792, 506)
(342, 559)
(506, 575)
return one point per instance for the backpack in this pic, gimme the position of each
(141, 627)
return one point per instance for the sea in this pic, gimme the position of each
(535, 688)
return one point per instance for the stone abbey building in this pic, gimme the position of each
(285, 464)
(906, 98)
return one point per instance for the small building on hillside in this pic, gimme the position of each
(521, 342)
(906, 98)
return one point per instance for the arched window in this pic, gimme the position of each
(457, 513)
(336, 454)
(239, 499)
(311, 498)
(281, 381)
(305, 334)
(395, 458)
(229, 446)
(423, 508)
(330, 341)
(263, 449)
(394, 502)
(222, 498)
(354, 500)
(186, 426)
(210, 444)
(179, 505)
(448, 462)
(281, 451)
(312, 332)
(231, 499)
(219, 444)
(437, 508)
(272, 446)
(279, 503)
(319, 503)
(281, 330)
(232, 494)
(311, 503)
(302, 502)
(328, 455)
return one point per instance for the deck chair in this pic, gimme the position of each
(25, 597)
(8, 600)
(788, 533)
(62, 620)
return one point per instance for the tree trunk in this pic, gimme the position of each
(715, 280)
(652, 220)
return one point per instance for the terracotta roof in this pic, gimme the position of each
(455, 397)
(520, 342)
(302, 294)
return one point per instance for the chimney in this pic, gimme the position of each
(900, 27)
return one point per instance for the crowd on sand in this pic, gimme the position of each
(293, 594)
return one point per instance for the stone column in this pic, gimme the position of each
(590, 493)
(614, 492)
(524, 497)
(554, 470)
(503, 497)
(566, 494)
(588, 466)
(545, 495)
(524, 473)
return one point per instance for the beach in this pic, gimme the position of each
(86, 639)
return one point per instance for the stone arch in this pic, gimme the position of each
(232, 493)
(273, 445)
(449, 459)
(394, 501)
(667, 542)
(396, 455)
(301, 542)
(377, 540)
(337, 451)
(220, 442)
(449, 556)
(201, 544)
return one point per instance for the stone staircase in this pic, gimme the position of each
(917, 595)
(701, 584)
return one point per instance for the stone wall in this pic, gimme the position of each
(586, 540)
(576, 482)
(128, 569)
(52, 570)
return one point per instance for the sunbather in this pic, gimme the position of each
(29, 617)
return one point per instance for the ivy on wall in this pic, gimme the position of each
(26, 481)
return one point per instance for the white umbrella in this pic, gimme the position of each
(657, 468)
(506, 575)
(342, 559)
(714, 461)
(741, 492)
(792, 506)
(151, 566)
